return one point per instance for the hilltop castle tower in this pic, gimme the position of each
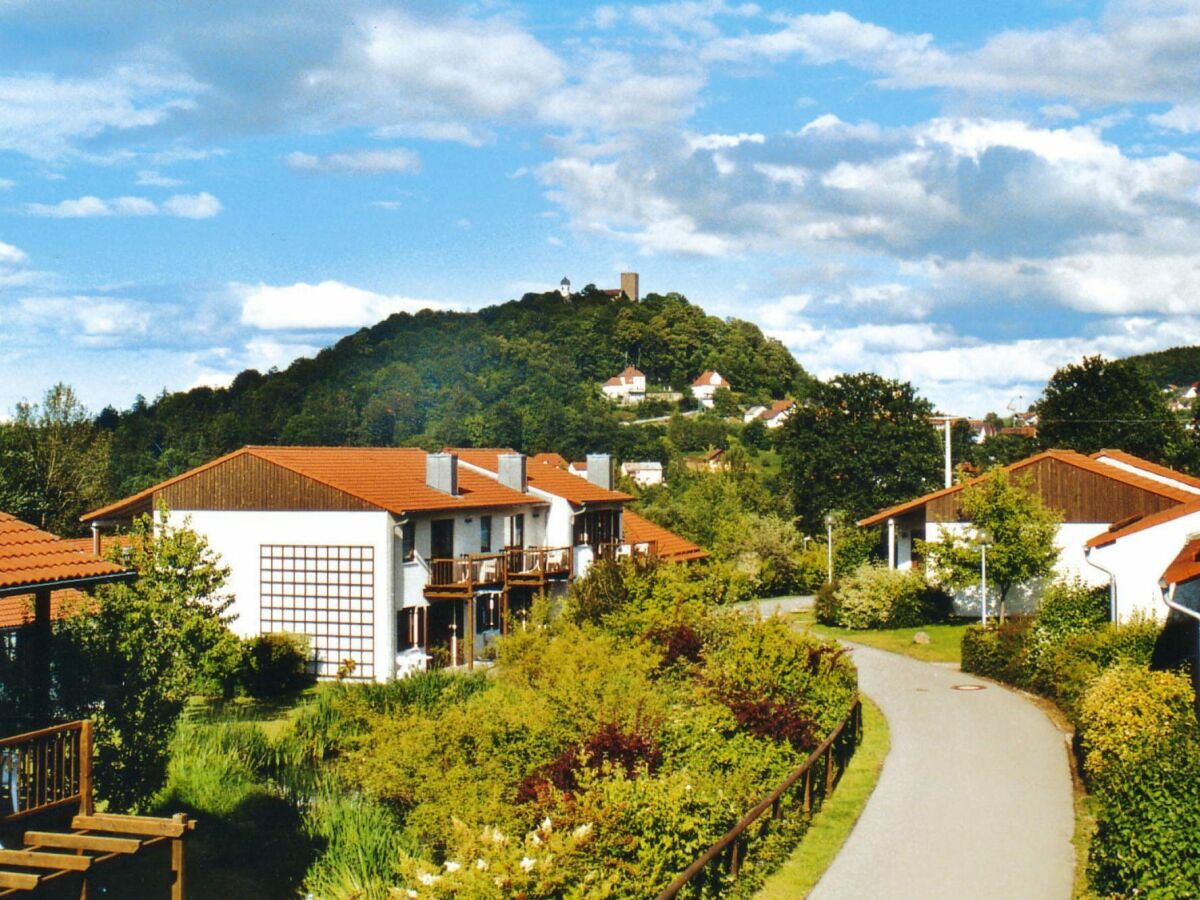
(564, 287)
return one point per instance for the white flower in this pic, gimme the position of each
(410, 893)
(481, 864)
(452, 866)
(527, 863)
(426, 878)
(497, 837)
(546, 824)
(582, 831)
(537, 841)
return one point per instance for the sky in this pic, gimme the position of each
(962, 195)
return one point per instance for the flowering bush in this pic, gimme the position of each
(874, 596)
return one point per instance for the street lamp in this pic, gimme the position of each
(984, 539)
(829, 544)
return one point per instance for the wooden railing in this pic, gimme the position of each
(45, 770)
(627, 550)
(539, 561)
(468, 572)
(813, 782)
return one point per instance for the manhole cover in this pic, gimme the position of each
(969, 687)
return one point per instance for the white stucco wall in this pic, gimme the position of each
(1138, 560)
(238, 537)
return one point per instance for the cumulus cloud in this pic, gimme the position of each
(186, 206)
(327, 305)
(358, 162)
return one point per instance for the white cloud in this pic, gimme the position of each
(358, 162)
(327, 305)
(86, 320)
(45, 116)
(192, 206)
(151, 178)
(186, 206)
(12, 256)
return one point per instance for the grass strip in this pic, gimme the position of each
(945, 641)
(833, 823)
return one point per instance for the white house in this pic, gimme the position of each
(1106, 500)
(385, 557)
(705, 387)
(628, 387)
(754, 412)
(647, 474)
(778, 413)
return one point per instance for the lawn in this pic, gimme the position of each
(945, 641)
(832, 825)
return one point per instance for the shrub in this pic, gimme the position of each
(1068, 608)
(276, 664)
(878, 597)
(1141, 753)
(999, 651)
(826, 606)
(1067, 671)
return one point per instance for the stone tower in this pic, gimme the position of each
(629, 285)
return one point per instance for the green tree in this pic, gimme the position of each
(860, 443)
(1099, 403)
(53, 462)
(1022, 530)
(129, 659)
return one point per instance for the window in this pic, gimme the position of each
(516, 533)
(487, 613)
(326, 593)
(441, 539)
(601, 526)
(408, 541)
(485, 534)
(410, 628)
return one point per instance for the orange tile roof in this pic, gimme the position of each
(32, 558)
(707, 378)
(18, 610)
(1186, 565)
(1146, 466)
(390, 478)
(1134, 524)
(545, 477)
(670, 546)
(1069, 457)
(779, 406)
(626, 377)
(553, 459)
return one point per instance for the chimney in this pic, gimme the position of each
(513, 472)
(629, 284)
(600, 470)
(441, 472)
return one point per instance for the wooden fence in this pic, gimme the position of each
(812, 783)
(46, 769)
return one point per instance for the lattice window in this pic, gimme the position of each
(326, 593)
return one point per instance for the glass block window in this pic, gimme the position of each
(326, 593)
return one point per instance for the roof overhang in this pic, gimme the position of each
(90, 581)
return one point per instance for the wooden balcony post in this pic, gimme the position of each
(469, 630)
(504, 609)
(86, 798)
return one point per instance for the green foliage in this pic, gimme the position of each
(860, 443)
(1141, 757)
(768, 550)
(522, 374)
(874, 596)
(999, 651)
(1022, 528)
(363, 846)
(1068, 608)
(53, 462)
(129, 663)
(1100, 403)
(275, 664)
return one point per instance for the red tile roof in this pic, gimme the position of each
(544, 477)
(390, 478)
(776, 408)
(553, 459)
(32, 558)
(669, 545)
(18, 611)
(1186, 565)
(710, 378)
(626, 377)
(1069, 457)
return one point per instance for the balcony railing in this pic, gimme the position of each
(45, 770)
(637, 550)
(530, 564)
(466, 574)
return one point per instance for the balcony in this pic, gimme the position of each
(534, 566)
(637, 550)
(454, 579)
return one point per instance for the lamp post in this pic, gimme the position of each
(829, 545)
(985, 540)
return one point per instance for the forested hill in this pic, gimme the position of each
(1178, 366)
(523, 374)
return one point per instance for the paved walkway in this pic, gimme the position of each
(974, 800)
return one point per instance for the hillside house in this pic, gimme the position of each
(778, 413)
(1106, 501)
(705, 387)
(646, 474)
(390, 558)
(712, 461)
(628, 387)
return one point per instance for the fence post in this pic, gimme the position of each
(808, 790)
(86, 801)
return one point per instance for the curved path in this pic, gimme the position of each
(974, 800)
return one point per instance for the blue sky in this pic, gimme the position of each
(962, 199)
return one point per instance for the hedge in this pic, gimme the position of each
(874, 596)
(998, 651)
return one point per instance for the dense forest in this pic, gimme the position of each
(524, 374)
(1178, 365)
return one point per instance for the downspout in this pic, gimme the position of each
(1112, 582)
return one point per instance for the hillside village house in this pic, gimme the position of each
(646, 474)
(1124, 520)
(628, 387)
(386, 556)
(705, 387)
(776, 414)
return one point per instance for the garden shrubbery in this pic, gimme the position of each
(1141, 756)
(999, 651)
(874, 596)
